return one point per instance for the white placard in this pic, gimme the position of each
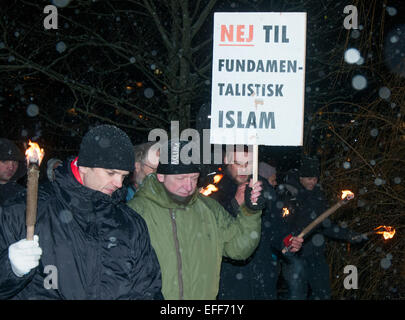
(258, 78)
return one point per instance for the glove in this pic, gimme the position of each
(293, 244)
(260, 203)
(24, 255)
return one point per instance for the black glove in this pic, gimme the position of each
(260, 203)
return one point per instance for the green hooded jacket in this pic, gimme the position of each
(190, 240)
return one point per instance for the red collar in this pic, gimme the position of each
(75, 170)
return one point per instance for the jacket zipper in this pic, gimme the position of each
(177, 246)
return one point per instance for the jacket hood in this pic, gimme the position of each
(154, 191)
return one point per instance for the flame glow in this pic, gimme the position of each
(286, 212)
(218, 178)
(208, 190)
(347, 194)
(211, 187)
(34, 154)
(387, 232)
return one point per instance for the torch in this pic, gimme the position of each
(34, 155)
(387, 232)
(347, 195)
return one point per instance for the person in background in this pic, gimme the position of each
(146, 162)
(12, 168)
(255, 277)
(306, 273)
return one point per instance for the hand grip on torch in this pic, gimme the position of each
(321, 218)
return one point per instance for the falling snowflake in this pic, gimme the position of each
(239, 276)
(32, 110)
(60, 46)
(394, 38)
(384, 93)
(359, 82)
(378, 181)
(149, 93)
(60, 3)
(65, 216)
(352, 55)
(391, 11)
(318, 240)
(374, 132)
(385, 263)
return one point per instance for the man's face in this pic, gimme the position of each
(182, 185)
(309, 183)
(239, 168)
(146, 167)
(104, 180)
(7, 170)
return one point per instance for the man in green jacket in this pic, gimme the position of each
(190, 232)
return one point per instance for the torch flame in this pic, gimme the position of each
(208, 190)
(34, 153)
(347, 194)
(218, 178)
(286, 212)
(211, 187)
(387, 232)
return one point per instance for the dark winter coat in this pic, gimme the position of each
(9, 191)
(255, 277)
(305, 206)
(99, 246)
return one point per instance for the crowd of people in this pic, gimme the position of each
(157, 236)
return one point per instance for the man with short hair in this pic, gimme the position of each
(256, 276)
(146, 162)
(190, 232)
(12, 168)
(98, 246)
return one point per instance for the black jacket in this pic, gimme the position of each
(305, 206)
(99, 246)
(254, 278)
(9, 191)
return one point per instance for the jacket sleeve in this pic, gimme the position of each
(333, 231)
(146, 273)
(240, 235)
(12, 226)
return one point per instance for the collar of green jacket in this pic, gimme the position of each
(153, 190)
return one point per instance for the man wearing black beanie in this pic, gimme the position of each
(308, 268)
(12, 168)
(99, 247)
(189, 231)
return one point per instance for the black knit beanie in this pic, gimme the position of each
(179, 157)
(9, 151)
(107, 147)
(309, 167)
